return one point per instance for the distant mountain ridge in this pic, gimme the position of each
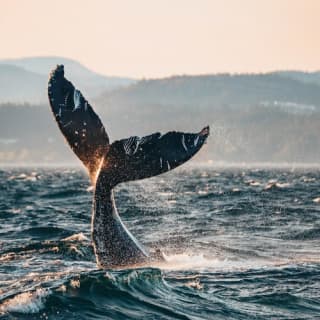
(271, 117)
(217, 91)
(308, 77)
(20, 86)
(25, 79)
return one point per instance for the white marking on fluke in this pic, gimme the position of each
(131, 145)
(195, 142)
(145, 139)
(137, 141)
(127, 144)
(76, 99)
(67, 124)
(66, 98)
(184, 143)
(168, 165)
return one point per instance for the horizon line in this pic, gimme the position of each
(172, 75)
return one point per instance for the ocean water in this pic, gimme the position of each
(240, 244)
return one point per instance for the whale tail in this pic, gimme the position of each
(124, 160)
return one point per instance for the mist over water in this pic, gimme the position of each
(239, 243)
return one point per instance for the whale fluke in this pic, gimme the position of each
(124, 160)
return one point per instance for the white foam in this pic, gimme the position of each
(15, 210)
(75, 283)
(27, 302)
(76, 237)
(90, 189)
(185, 261)
(200, 262)
(316, 200)
(305, 179)
(282, 185)
(33, 177)
(253, 183)
(166, 194)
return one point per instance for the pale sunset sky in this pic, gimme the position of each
(157, 38)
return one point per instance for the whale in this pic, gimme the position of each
(109, 164)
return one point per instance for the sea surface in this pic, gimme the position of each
(239, 243)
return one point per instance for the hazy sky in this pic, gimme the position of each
(152, 38)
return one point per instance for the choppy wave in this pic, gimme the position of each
(156, 294)
(239, 244)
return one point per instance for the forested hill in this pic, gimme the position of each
(217, 91)
(271, 117)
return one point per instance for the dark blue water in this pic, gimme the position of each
(240, 244)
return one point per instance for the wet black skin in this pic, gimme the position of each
(108, 165)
